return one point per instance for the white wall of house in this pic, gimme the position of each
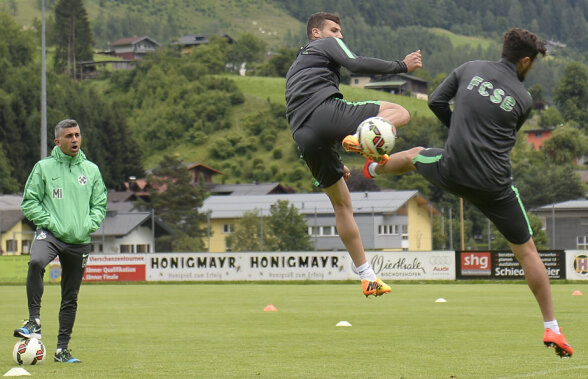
(139, 240)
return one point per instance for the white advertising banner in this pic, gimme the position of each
(437, 265)
(246, 266)
(577, 265)
(412, 265)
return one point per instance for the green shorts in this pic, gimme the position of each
(502, 206)
(319, 138)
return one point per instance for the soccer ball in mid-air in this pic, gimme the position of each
(29, 351)
(377, 136)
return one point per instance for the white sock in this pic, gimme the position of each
(59, 350)
(365, 271)
(372, 169)
(552, 325)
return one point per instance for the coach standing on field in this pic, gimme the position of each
(65, 198)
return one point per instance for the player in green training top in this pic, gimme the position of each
(65, 198)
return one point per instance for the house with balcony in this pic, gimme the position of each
(132, 48)
(398, 84)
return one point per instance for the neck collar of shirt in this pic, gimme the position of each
(513, 67)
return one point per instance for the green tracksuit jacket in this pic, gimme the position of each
(65, 195)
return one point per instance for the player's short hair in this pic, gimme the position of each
(64, 124)
(520, 43)
(317, 20)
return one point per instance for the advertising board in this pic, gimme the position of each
(577, 264)
(502, 264)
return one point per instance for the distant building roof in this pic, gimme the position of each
(9, 202)
(201, 166)
(308, 203)
(391, 83)
(122, 218)
(580, 204)
(249, 189)
(122, 224)
(132, 41)
(9, 218)
(198, 39)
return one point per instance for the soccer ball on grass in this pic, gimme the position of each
(377, 136)
(29, 351)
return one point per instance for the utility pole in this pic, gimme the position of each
(43, 86)
(462, 231)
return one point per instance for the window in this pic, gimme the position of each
(11, 246)
(127, 249)
(227, 228)
(26, 246)
(96, 248)
(387, 230)
(581, 242)
(143, 248)
(323, 231)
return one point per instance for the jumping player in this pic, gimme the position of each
(320, 118)
(491, 105)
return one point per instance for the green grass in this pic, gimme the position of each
(221, 331)
(13, 269)
(458, 40)
(272, 89)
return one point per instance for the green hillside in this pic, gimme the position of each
(167, 20)
(272, 89)
(287, 168)
(458, 40)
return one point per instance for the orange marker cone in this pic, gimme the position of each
(270, 308)
(577, 293)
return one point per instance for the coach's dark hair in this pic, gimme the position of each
(520, 43)
(317, 20)
(64, 124)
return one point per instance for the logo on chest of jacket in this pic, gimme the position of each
(82, 180)
(58, 193)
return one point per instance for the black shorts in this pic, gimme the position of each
(503, 206)
(319, 138)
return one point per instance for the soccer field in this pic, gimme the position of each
(222, 331)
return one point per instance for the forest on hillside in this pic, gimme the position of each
(388, 29)
(564, 21)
